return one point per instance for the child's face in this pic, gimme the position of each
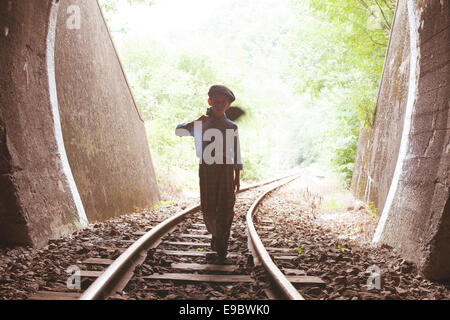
(219, 102)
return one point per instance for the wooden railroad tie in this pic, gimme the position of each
(197, 231)
(224, 278)
(200, 236)
(204, 267)
(202, 254)
(51, 295)
(193, 244)
(189, 277)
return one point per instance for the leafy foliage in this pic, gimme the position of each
(110, 6)
(342, 62)
(305, 71)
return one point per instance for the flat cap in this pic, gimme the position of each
(223, 90)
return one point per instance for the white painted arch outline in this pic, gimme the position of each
(412, 92)
(66, 170)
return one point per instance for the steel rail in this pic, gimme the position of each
(104, 285)
(282, 284)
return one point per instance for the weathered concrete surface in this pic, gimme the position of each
(378, 149)
(104, 138)
(103, 133)
(407, 153)
(36, 198)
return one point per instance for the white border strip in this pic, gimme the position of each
(51, 34)
(413, 36)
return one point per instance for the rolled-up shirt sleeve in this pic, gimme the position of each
(181, 130)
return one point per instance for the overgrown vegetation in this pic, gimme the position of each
(341, 65)
(306, 72)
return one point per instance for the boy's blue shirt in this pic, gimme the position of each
(221, 124)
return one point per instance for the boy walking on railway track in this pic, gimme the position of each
(217, 146)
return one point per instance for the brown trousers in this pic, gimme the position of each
(217, 200)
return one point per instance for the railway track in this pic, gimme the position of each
(174, 255)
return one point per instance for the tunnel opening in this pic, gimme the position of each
(248, 49)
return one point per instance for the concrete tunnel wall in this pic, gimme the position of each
(103, 132)
(403, 163)
(71, 143)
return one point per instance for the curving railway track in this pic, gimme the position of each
(174, 256)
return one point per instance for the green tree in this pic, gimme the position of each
(338, 54)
